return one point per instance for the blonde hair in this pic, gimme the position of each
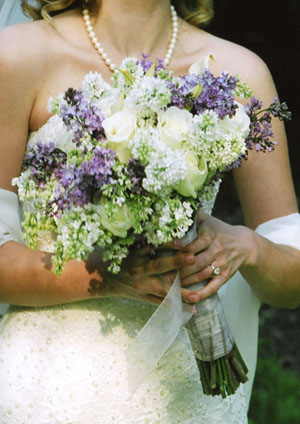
(196, 12)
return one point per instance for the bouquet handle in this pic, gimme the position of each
(219, 361)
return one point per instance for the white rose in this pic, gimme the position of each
(199, 66)
(196, 175)
(122, 219)
(111, 103)
(175, 124)
(119, 129)
(239, 124)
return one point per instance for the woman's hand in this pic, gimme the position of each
(218, 247)
(151, 280)
(143, 278)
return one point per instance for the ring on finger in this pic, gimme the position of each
(216, 270)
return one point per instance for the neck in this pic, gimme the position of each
(132, 27)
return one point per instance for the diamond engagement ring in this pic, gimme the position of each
(216, 269)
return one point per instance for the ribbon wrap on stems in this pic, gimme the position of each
(216, 339)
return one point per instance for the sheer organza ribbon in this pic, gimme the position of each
(156, 336)
(160, 330)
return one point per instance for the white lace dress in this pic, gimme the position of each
(66, 364)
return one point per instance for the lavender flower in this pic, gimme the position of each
(145, 62)
(81, 116)
(217, 93)
(43, 160)
(181, 95)
(280, 110)
(261, 123)
(136, 172)
(79, 183)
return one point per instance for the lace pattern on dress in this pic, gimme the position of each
(66, 364)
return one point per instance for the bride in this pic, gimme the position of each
(62, 348)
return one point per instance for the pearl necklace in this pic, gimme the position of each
(104, 56)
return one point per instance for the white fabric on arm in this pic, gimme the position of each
(10, 222)
(283, 230)
(10, 226)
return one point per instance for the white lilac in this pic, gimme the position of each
(164, 170)
(94, 87)
(148, 93)
(131, 65)
(170, 219)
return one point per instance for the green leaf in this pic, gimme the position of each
(195, 91)
(212, 58)
(129, 78)
(151, 71)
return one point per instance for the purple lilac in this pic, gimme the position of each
(136, 172)
(147, 63)
(260, 134)
(42, 160)
(81, 116)
(280, 110)
(160, 65)
(260, 123)
(217, 93)
(79, 183)
(180, 91)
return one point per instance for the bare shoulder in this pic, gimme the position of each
(24, 45)
(22, 63)
(23, 56)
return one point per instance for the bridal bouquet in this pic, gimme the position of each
(133, 163)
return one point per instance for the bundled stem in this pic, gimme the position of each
(220, 376)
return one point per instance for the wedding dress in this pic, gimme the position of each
(67, 364)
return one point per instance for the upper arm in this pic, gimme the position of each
(264, 183)
(17, 93)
